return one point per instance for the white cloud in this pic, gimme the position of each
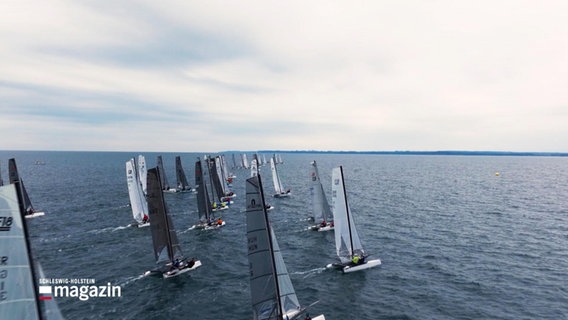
(336, 75)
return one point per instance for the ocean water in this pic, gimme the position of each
(457, 241)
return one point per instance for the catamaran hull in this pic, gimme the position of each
(140, 225)
(205, 226)
(171, 190)
(281, 195)
(319, 228)
(320, 317)
(352, 268)
(35, 214)
(171, 274)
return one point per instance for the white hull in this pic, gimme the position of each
(171, 190)
(174, 273)
(171, 274)
(282, 195)
(206, 226)
(319, 228)
(140, 225)
(320, 317)
(219, 208)
(35, 214)
(270, 207)
(352, 268)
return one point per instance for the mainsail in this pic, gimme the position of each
(203, 203)
(164, 238)
(142, 172)
(1, 181)
(182, 183)
(319, 201)
(347, 240)
(138, 202)
(19, 283)
(272, 293)
(163, 178)
(15, 177)
(275, 178)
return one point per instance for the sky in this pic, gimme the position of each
(208, 76)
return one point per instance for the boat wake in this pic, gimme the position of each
(309, 273)
(131, 279)
(108, 229)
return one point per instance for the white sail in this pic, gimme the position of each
(18, 287)
(142, 172)
(275, 178)
(138, 202)
(253, 168)
(347, 240)
(245, 161)
(272, 292)
(320, 206)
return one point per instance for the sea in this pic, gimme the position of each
(459, 237)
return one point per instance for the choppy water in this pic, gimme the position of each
(456, 240)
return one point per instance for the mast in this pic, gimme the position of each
(347, 210)
(28, 250)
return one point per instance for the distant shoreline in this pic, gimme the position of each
(430, 153)
(420, 153)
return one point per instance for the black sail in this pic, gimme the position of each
(164, 238)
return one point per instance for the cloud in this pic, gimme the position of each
(216, 75)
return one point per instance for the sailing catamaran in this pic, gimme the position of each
(164, 181)
(206, 219)
(20, 291)
(138, 202)
(319, 202)
(278, 188)
(272, 294)
(349, 249)
(254, 171)
(167, 250)
(182, 184)
(15, 177)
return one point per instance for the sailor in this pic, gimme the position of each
(214, 205)
(219, 221)
(191, 262)
(323, 223)
(145, 219)
(308, 317)
(355, 259)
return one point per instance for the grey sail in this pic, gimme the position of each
(320, 206)
(203, 203)
(21, 289)
(15, 177)
(1, 181)
(216, 180)
(163, 178)
(182, 183)
(164, 238)
(272, 293)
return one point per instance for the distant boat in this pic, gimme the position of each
(19, 288)
(206, 218)
(182, 184)
(167, 250)
(254, 171)
(217, 194)
(220, 181)
(244, 161)
(138, 202)
(164, 182)
(320, 206)
(348, 245)
(272, 293)
(278, 188)
(15, 177)
(142, 172)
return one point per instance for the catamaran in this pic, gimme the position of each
(138, 202)
(278, 188)
(254, 171)
(320, 206)
(206, 218)
(15, 177)
(167, 250)
(348, 245)
(272, 293)
(210, 173)
(164, 181)
(22, 297)
(182, 184)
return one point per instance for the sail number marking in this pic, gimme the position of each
(5, 223)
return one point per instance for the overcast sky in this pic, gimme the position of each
(210, 76)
